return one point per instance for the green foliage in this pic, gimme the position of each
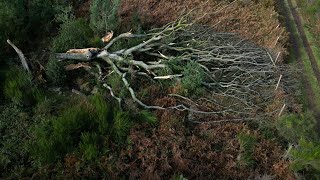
(247, 143)
(83, 127)
(14, 125)
(103, 113)
(117, 85)
(18, 87)
(193, 76)
(73, 33)
(121, 126)
(179, 177)
(88, 145)
(55, 72)
(103, 15)
(306, 157)
(293, 127)
(10, 20)
(20, 20)
(146, 116)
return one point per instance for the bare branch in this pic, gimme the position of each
(21, 56)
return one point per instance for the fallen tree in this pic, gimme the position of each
(238, 78)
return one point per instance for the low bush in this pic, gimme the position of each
(293, 127)
(86, 127)
(73, 33)
(55, 72)
(306, 158)
(14, 126)
(19, 88)
(193, 76)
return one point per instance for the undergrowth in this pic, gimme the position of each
(73, 33)
(86, 128)
(19, 88)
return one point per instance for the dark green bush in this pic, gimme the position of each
(18, 87)
(55, 72)
(84, 127)
(193, 76)
(14, 125)
(73, 33)
(12, 19)
(23, 22)
(103, 16)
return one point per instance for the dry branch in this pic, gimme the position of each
(240, 76)
(21, 55)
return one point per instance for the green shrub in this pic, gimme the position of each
(306, 157)
(293, 127)
(103, 113)
(103, 15)
(14, 125)
(20, 21)
(11, 18)
(146, 116)
(85, 127)
(121, 126)
(247, 143)
(18, 87)
(193, 76)
(73, 33)
(55, 72)
(89, 145)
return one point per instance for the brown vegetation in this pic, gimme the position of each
(254, 21)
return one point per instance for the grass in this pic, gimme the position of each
(307, 65)
(311, 37)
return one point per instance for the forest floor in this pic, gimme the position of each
(303, 55)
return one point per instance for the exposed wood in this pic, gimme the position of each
(75, 56)
(21, 56)
(107, 37)
(71, 67)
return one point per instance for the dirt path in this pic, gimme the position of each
(294, 41)
(305, 42)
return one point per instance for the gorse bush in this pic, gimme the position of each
(18, 87)
(14, 124)
(103, 15)
(55, 72)
(73, 33)
(85, 127)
